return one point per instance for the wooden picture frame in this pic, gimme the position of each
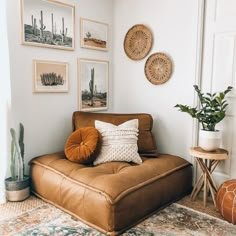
(93, 34)
(47, 23)
(50, 76)
(93, 84)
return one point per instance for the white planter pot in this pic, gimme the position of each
(209, 140)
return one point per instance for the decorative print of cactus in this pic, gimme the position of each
(32, 20)
(51, 79)
(17, 154)
(53, 30)
(91, 86)
(34, 25)
(63, 32)
(88, 35)
(42, 26)
(49, 25)
(95, 90)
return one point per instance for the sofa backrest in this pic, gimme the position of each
(146, 141)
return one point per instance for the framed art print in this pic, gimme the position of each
(47, 23)
(93, 84)
(93, 34)
(50, 76)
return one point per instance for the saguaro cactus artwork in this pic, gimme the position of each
(63, 32)
(53, 30)
(34, 25)
(88, 35)
(91, 86)
(42, 26)
(47, 26)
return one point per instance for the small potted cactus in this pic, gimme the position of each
(17, 186)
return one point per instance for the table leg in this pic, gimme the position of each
(205, 180)
(197, 187)
(212, 193)
(208, 173)
(205, 190)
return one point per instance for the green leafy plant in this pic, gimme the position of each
(211, 110)
(17, 154)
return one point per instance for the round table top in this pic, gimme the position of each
(218, 154)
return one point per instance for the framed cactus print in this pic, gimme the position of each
(50, 76)
(47, 23)
(93, 34)
(93, 85)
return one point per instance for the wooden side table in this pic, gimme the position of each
(207, 162)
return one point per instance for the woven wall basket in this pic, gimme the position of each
(138, 42)
(158, 68)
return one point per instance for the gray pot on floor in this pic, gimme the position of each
(17, 190)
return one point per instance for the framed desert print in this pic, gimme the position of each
(50, 76)
(47, 23)
(93, 76)
(93, 34)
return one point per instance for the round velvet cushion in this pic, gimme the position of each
(81, 145)
(226, 200)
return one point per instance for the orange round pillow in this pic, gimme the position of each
(81, 145)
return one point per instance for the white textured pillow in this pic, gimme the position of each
(119, 143)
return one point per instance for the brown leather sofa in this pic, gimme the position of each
(114, 196)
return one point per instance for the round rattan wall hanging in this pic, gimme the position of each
(158, 68)
(138, 42)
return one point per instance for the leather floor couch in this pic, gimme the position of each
(113, 196)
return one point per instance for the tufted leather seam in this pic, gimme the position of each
(125, 192)
(151, 180)
(35, 161)
(107, 196)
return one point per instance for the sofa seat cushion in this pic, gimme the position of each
(111, 196)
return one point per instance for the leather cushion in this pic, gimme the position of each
(81, 145)
(226, 200)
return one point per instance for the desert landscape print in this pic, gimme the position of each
(94, 34)
(93, 42)
(47, 24)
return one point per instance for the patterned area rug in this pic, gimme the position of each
(174, 220)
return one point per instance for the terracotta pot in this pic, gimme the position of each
(209, 140)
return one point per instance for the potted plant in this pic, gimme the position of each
(17, 186)
(211, 111)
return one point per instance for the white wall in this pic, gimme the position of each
(174, 27)
(47, 116)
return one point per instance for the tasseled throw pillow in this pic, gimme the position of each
(119, 143)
